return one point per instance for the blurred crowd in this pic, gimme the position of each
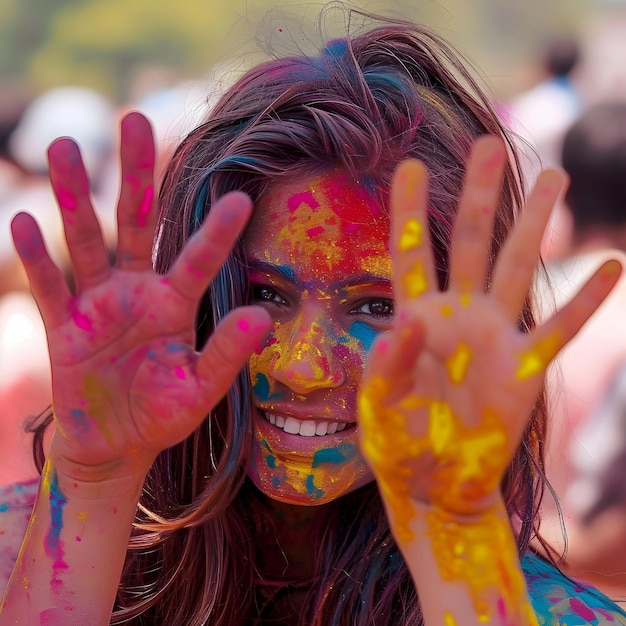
(573, 116)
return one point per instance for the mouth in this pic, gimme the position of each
(306, 428)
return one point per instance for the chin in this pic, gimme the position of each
(314, 478)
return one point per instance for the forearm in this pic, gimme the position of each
(70, 563)
(466, 571)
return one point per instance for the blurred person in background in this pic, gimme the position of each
(586, 450)
(540, 116)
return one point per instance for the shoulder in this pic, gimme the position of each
(561, 601)
(16, 503)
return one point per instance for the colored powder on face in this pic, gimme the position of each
(4, 508)
(458, 362)
(180, 372)
(411, 236)
(334, 456)
(316, 230)
(306, 197)
(364, 333)
(287, 272)
(415, 281)
(311, 489)
(261, 389)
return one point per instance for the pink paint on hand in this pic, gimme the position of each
(146, 205)
(66, 199)
(82, 320)
(244, 325)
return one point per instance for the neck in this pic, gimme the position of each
(288, 550)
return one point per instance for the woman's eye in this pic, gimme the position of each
(377, 307)
(262, 293)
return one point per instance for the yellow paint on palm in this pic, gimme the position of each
(440, 426)
(415, 281)
(458, 362)
(481, 554)
(449, 620)
(412, 235)
(97, 399)
(472, 460)
(535, 360)
(466, 299)
(446, 311)
(386, 443)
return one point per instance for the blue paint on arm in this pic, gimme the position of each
(57, 502)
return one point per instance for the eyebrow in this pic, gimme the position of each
(290, 275)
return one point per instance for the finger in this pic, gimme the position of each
(548, 339)
(519, 257)
(207, 250)
(410, 237)
(47, 282)
(394, 354)
(471, 239)
(236, 337)
(136, 210)
(88, 252)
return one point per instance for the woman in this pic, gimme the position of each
(268, 511)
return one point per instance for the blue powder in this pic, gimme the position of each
(364, 333)
(335, 456)
(262, 389)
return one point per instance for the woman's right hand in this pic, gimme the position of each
(127, 381)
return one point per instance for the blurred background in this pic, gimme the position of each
(122, 47)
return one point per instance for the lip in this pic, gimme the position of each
(300, 445)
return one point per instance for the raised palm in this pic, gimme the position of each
(127, 381)
(448, 392)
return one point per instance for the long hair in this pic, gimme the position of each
(363, 104)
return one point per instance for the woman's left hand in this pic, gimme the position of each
(448, 392)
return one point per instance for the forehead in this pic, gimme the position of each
(327, 222)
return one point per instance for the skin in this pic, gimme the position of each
(320, 265)
(456, 356)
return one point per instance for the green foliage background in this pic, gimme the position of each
(106, 44)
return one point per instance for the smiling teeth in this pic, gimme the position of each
(305, 428)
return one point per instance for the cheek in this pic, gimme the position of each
(259, 365)
(354, 345)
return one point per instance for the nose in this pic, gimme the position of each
(306, 361)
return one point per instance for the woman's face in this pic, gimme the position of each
(319, 262)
